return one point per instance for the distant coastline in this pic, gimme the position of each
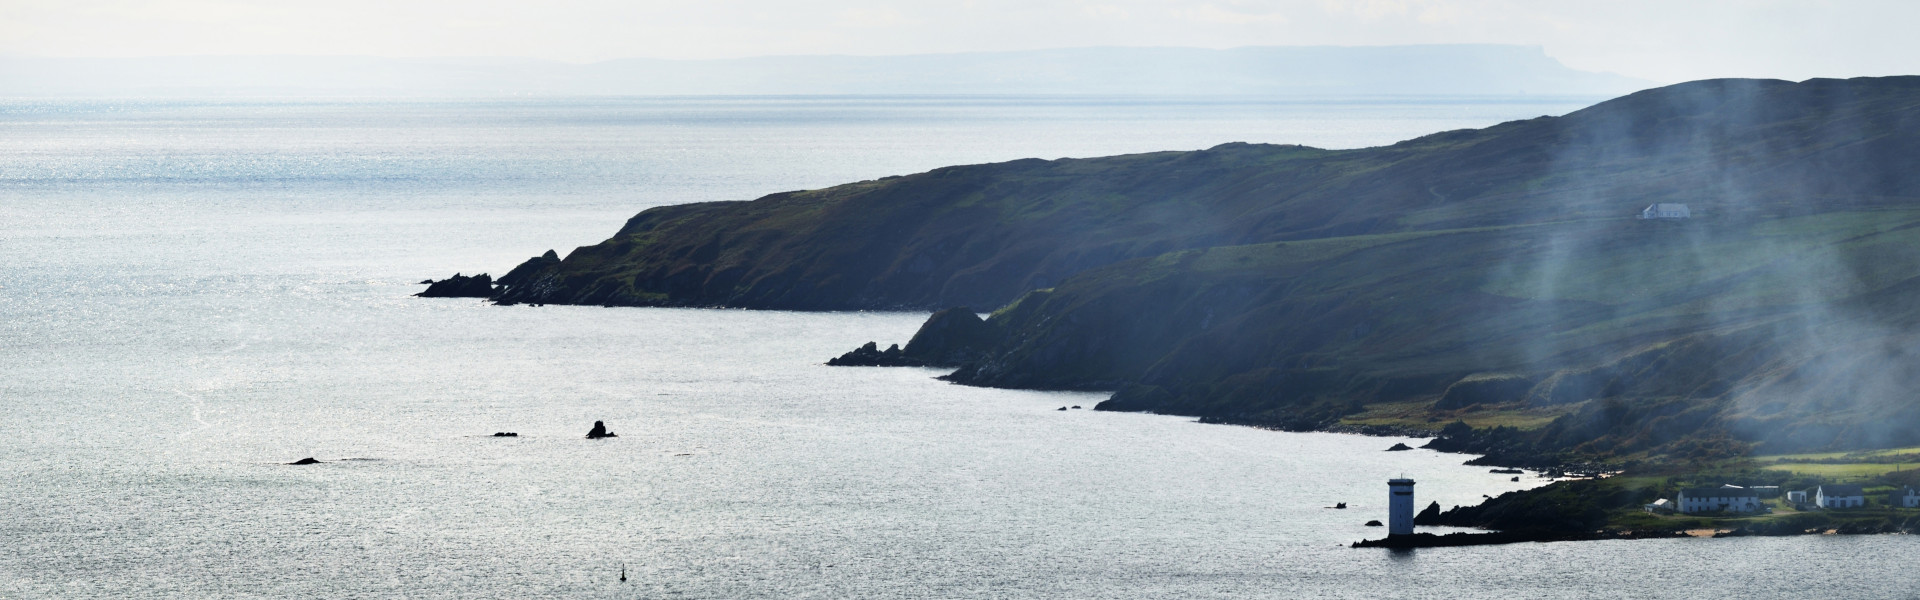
(1265, 71)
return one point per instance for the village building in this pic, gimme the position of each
(1797, 496)
(1660, 507)
(1905, 497)
(1839, 496)
(1666, 211)
(1709, 499)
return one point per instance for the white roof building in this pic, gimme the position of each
(1905, 497)
(1839, 496)
(1709, 499)
(1666, 211)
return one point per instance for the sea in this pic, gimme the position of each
(195, 293)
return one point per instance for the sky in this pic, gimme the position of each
(1663, 41)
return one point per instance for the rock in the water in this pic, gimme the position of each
(599, 431)
(306, 461)
(1340, 505)
(871, 355)
(1516, 479)
(1076, 407)
(505, 434)
(1399, 447)
(1373, 523)
(1428, 516)
(1061, 408)
(460, 286)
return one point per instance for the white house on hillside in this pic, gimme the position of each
(1839, 496)
(1666, 211)
(1906, 497)
(1708, 499)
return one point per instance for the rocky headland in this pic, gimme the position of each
(1492, 288)
(459, 286)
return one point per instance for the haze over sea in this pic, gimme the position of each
(195, 293)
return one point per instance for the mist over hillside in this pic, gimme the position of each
(1453, 70)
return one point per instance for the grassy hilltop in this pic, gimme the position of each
(1494, 277)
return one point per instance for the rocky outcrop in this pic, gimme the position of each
(952, 337)
(1430, 516)
(1400, 448)
(1428, 540)
(529, 278)
(949, 338)
(306, 461)
(870, 355)
(599, 431)
(460, 286)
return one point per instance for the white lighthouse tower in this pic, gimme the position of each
(1400, 506)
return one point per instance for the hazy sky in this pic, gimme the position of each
(1670, 40)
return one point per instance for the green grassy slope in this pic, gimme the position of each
(981, 235)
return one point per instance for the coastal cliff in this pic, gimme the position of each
(1496, 277)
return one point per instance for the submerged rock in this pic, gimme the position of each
(1399, 447)
(460, 286)
(306, 461)
(505, 434)
(1373, 524)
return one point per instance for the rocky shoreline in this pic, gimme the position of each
(1428, 540)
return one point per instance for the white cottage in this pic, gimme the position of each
(1839, 496)
(1709, 499)
(1797, 496)
(1666, 211)
(1905, 497)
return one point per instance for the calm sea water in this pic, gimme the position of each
(193, 293)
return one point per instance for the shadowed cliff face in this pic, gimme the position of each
(982, 235)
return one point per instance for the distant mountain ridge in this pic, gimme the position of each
(1284, 71)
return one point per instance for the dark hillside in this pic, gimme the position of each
(1787, 333)
(981, 235)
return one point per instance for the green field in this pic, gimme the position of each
(1419, 414)
(1849, 471)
